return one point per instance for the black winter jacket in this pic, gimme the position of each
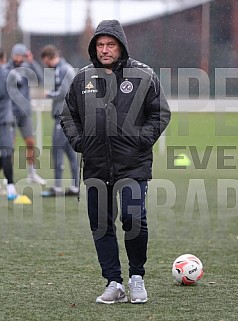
(114, 120)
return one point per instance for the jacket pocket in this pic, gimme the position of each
(144, 143)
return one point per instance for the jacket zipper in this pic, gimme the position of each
(109, 148)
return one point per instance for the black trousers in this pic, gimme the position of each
(6, 165)
(102, 212)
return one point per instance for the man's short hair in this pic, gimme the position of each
(49, 51)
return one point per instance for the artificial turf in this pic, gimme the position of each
(49, 269)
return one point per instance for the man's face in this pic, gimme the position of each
(108, 50)
(51, 62)
(18, 60)
(47, 61)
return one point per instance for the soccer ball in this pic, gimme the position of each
(187, 269)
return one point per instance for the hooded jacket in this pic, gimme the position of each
(114, 120)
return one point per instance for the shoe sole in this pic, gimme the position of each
(46, 194)
(122, 300)
(12, 197)
(71, 195)
(32, 180)
(139, 301)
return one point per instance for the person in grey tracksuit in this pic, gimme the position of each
(23, 72)
(6, 134)
(63, 75)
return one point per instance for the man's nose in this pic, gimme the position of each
(105, 48)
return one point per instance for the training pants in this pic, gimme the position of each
(102, 212)
(62, 146)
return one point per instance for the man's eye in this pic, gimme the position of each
(109, 45)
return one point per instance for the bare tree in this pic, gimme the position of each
(10, 32)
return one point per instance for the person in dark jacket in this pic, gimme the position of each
(22, 70)
(63, 75)
(6, 131)
(114, 113)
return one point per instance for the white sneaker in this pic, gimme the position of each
(11, 197)
(11, 192)
(53, 192)
(138, 292)
(114, 293)
(35, 178)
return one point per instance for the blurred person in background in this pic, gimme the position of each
(63, 73)
(22, 68)
(3, 57)
(6, 131)
(114, 113)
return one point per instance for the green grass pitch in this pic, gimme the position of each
(49, 269)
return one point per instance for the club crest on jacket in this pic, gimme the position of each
(126, 87)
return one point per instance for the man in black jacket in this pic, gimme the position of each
(114, 113)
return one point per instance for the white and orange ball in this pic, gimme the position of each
(187, 269)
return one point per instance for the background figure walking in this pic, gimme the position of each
(63, 74)
(22, 69)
